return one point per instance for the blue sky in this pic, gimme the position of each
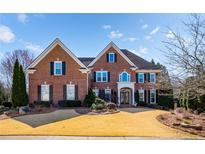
(87, 34)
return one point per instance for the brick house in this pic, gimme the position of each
(114, 75)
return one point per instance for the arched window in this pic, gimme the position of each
(124, 77)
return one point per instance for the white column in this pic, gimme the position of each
(118, 95)
(133, 95)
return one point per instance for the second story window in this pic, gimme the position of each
(101, 76)
(152, 77)
(124, 77)
(140, 77)
(111, 58)
(57, 68)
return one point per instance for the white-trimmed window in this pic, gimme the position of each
(124, 77)
(57, 67)
(152, 77)
(45, 92)
(140, 77)
(70, 92)
(107, 94)
(152, 96)
(111, 57)
(141, 95)
(96, 91)
(101, 76)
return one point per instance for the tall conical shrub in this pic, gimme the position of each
(23, 94)
(15, 85)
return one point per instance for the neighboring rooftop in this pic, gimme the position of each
(138, 61)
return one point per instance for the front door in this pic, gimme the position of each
(124, 97)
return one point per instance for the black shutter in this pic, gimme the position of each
(94, 76)
(51, 93)
(76, 92)
(39, 93)
(107, 57)
(64, 92)
(51, 68)
(145, 78)
(145, 95)
(136, 77)
(115, 57)
(108, 76)
(157, 96)
(156, 77)
(148, 96)
(148, 77)
(63, 68)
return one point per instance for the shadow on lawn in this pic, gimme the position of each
(37, 120)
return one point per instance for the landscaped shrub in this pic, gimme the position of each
(99, 104)
(43, 103)
(140, 103)
(69, 103)
(89, 98)
(166, 100)
(7, 104)
(111, 106)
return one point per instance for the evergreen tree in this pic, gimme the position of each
(89, 98)
(15, 85)
(23, 94)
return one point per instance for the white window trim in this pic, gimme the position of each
(120, 76)
(58, 62)
(101, 75)
(139, 78)
(154, 77)
(45, 85)
(109, 60)
(142, 91)
(70, 85)
(153, 90)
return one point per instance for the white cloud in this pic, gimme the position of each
(106, 27)
(170, 35)
(148, 37)
(154, 31)
(22, 17)
(145, 26)
(33, 47)
(6, 35)
(132, 39)
(143, 50)
(135, 52)
(115, 34)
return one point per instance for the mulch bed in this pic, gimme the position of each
(185, 121)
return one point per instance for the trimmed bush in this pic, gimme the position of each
(99, 104)
(166, 100)
(69, 103)
(89, 98)
(140, 103)
(7, 104)
(111, 106)
(43, 103)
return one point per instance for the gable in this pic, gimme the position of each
(54, 44)
(109, 47)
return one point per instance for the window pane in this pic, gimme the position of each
(141, 78)
(107, 95)
(104, 74)
(45, 92)
(70, 92)
(111, 57)
(124, 77)
(98, 76)
(58, 68)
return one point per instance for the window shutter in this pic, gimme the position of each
(64, 92)
(39, 92)
(63, 68)
(107, 56)
(156, 77)
(108, 76)
(148, 96)
(157, 96)
(148, 77)
(51, 68)
(145, 78)
(115, 57)
(94, 76)
(51, 93)
(145, 95)
(136, 77)
(76, 92)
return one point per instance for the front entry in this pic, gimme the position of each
(124, 97)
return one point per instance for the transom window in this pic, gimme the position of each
(153, 77)
(101, 76)
(124, 77)
(141, 95)
(140, 77)
(44, 92)
(58, 68)
(111, 57)
(152, 96)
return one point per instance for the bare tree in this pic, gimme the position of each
(7, 63)
(186, 54)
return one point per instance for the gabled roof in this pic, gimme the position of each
(49, 48)
(111, 44)
(86, 60)
(138, 61)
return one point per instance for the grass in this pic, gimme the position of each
(119, 124)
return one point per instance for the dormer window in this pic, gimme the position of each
(57, 67)
(111, 57)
